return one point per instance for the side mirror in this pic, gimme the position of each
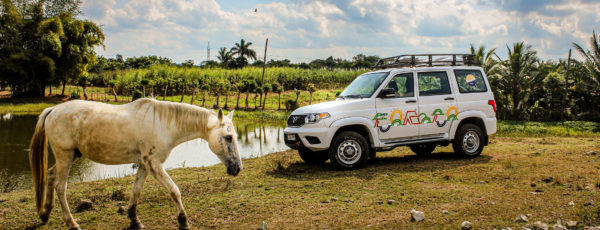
(387, 93)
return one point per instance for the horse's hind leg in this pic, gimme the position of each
(64, 159)
(140, 178)
(161, 175)
(49, 201)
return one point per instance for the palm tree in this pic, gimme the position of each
(485, 59)
(225, 56)
(516, 74)
(592, 60)
(242, 49)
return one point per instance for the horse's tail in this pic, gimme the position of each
(38, 159)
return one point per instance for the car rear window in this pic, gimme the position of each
(470, 81)
(433, 83)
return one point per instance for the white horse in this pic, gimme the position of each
(142, 132)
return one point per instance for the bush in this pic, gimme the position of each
(136, 95)
(291, 105)
(75, 95)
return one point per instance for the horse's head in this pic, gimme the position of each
(222, 140)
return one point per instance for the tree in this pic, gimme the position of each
(205, 88)
(277, 88)
(267, 88)
(311, 89)
(188, 63)
(112, 84)
(54, 8)
(516, 75)
(83, 81)
(592, 60)
(483, 58)
(240, 88)
(225, 56)
(144, 83)
(589, 84)
(242, 49)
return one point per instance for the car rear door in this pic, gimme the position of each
(396, 117)
(437, 103)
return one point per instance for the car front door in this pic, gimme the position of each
(396, 116)
(437, 104)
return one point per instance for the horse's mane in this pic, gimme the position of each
(185, 117)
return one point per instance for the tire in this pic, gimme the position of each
(312, 158)
(349, 150)
(468, 141)
(423, 149)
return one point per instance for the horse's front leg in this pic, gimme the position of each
(161, 175)
(140, 178)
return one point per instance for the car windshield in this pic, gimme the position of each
(364, 85)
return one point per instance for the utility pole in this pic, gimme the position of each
(264, 63)
(566, 85)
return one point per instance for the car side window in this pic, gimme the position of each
(470, 81)
(433, 83)
(403, 84)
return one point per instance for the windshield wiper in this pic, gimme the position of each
(353, 96)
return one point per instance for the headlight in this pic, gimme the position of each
(316, 117)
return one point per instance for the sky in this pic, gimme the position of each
(304, 30)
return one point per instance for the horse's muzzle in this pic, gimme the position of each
(233, 168)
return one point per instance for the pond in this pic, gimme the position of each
(254, 139)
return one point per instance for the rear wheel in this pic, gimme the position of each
(423, 149)
(468, 141)
(311, 157)
(349, 150)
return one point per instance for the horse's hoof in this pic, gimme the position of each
(44, 218)
(184, 227)
(136, 226)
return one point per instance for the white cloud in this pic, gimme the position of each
(307, 29)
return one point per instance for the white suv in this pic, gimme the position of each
(414, 101)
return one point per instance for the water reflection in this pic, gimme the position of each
(255, 140)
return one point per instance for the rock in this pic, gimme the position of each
(538, 225)
(522, 219)
(592, 153)
(118, 195)
(416, 216)
(533, 184)
(391, 201)
(539, 190)
(334, 199)
(121, 209)
(589, 203)
(84, 205)
(571, 224)
(262, 226)
(445, 211)
(571, 203)
(558, 227)
(548, 179)
(325, 201)
(348, 201)
(466, 225)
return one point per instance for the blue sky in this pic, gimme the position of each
(303, 30)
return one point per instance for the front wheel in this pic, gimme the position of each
(349, 150)
(468, 141)
(423, 149)
(311, 157)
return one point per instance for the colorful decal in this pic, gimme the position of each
(411, 117)
(471, 80)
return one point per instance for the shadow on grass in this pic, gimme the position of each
(381, 165)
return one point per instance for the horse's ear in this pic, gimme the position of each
(230, 115)
(220, 115)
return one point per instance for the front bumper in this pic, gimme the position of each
(315, 139)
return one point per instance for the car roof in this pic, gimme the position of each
(425, 68)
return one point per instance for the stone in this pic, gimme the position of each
(325, 201)
(121, 209)
(84, 205)
(548, 179)
(533, 184)
(522, 219)
(571, 203)
(334, 199)
(558, 227)
(589, 203)
(538, 225)
(571, 224)
(445, 212)
(416, 216)
(118, 195)
(349, 201)
(592, 153)
(466, 225)
(262, 226)
(391, 201)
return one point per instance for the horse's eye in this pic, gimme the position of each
(228, 138)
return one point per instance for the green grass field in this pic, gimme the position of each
(536, 177)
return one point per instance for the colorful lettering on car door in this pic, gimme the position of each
(398, 118)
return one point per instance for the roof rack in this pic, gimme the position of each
(417, 60)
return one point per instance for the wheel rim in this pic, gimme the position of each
(349, 152)
(471, 141)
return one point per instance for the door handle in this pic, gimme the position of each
(411, 101)
(449, 98)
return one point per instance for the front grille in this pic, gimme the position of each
(296, 120)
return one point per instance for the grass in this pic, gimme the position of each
(537, 129)
(489, 191)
